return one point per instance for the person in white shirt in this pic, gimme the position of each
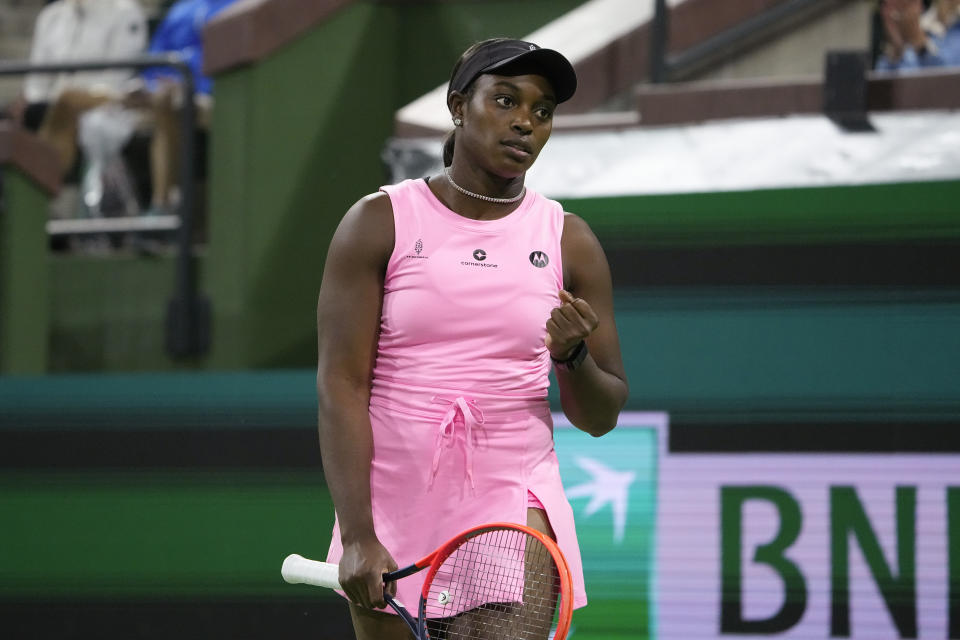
(72, 30)
(79, 30)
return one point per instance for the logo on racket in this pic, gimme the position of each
(444, 597)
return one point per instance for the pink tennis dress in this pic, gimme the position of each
(462, 433)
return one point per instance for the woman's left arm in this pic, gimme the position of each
(591, 378)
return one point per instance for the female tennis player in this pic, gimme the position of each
(444, 303)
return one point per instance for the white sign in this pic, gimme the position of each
(807, 545)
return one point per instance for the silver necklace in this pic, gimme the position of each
(446, 172)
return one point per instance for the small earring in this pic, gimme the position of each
(458, 122)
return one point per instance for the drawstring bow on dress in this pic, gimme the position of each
(472, 416)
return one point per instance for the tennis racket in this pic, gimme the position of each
(497, 581)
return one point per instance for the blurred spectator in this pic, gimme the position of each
(72, 30)
(181, 32)
(103, 120)
(918, 38)
(159, 97)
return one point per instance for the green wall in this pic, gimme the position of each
(157, 534)
(24, 275)
(108, 313)
(113, 526)
(86, 537)
(713, 352)
(297, 139)
(288, 156)
(431, 35)
(811, 215)
(120, 544)
(871, 332)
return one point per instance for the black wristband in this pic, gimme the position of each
(573, 362)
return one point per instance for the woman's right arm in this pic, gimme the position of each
(348, 319)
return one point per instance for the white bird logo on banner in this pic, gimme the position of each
(606, 485)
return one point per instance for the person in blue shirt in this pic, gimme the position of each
(918, 39)
(181, 31)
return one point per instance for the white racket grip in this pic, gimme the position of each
(298, 570)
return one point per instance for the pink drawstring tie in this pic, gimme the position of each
(472, 417)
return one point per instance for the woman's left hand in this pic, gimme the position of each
(574, 320)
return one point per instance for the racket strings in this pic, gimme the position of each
(500, 584)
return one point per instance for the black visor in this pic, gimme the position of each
(518, 56)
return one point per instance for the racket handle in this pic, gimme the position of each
(298, 570)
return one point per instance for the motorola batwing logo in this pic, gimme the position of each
(539, 259)
(480, 255)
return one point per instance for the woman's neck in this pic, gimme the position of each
(470, 206)
(474, 182)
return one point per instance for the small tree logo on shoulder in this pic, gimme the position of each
(539, 259)
(418, 248)
(479, 255)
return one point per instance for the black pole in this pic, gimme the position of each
(188, 313)
(658, 42)
(19, 68)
